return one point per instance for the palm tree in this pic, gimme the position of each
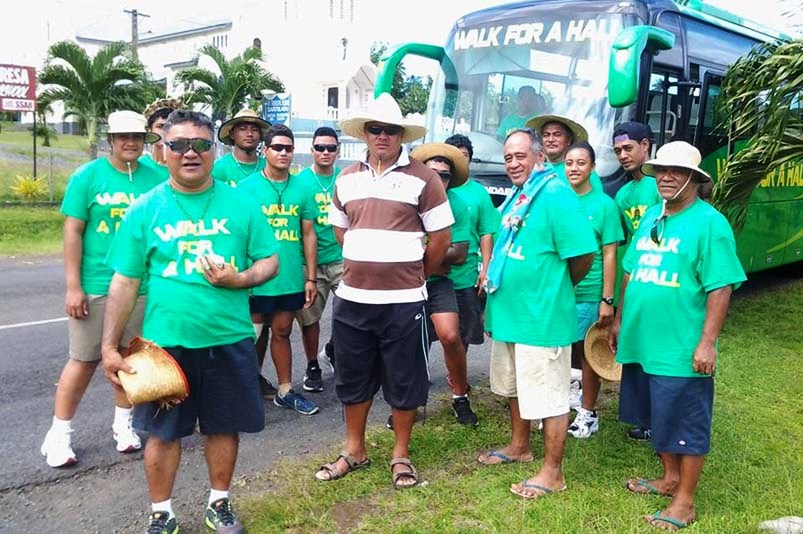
(761, 93)
(91, 88)
(228, 90)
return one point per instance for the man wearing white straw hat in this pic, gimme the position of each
(384, 209)
(200, 245)
(680, 271)
(243, 132)
(97, 196)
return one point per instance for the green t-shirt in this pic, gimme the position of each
(321, 187)
(604, 218)
(229, 170)
(483, 219)
(163, 236)
(633, 199)
(148, 161)
(285, 218)
(594, 179)
(99, 195)
(665, 299)
(511, 122)
(535, 302)
(460, 231)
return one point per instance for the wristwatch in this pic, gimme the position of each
(608, 300)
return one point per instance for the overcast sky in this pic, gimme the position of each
(24, 39)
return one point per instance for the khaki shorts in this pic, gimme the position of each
(328, 276)
(538, 376)
(85, 334)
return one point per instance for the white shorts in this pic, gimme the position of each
(537, 376)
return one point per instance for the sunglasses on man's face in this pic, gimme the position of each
(325, 148)
(657, 230)
(445, 175)
(277, 147)
(182, 146)
(387, 129)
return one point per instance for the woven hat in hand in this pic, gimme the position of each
(158, 376)
(599, 355)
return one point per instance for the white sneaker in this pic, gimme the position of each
(585, 424)
(127, 440)
(57, 449)
(575, 395)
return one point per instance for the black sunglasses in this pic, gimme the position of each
(325, 148)
(182, 146)
(388, 129)
(445, 175)
(657, 230)
(279, 148)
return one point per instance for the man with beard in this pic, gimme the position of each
(245, 131)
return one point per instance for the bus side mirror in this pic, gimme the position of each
(389, 62)
(624, 67)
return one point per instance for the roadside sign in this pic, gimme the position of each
(17, 88)
(276, 108)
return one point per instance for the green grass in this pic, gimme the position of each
(30, 230)
(10, 170)
(25, 139)
(754, 473)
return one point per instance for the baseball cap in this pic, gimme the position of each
(632, 131)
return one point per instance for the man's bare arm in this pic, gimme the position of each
(75, 302)
(226, 276)
(716, 309)
(579, 267)
(435, 251)
(120, 302)
(340, 233)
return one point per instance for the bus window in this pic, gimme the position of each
(674, 56)
(662, 89)
(710, 123)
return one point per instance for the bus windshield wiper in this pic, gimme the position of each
(478, 160)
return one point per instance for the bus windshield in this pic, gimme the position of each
(522, 62)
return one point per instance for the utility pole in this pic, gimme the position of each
(134, 28)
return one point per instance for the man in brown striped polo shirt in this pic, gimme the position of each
(391, 215)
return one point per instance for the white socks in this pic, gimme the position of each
(163, 506)
(63, 426)
(217, 494)
(121, 416)
(284, 389)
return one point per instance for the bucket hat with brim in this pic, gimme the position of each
(599, 356)
(382, 109)
(677, 154)
(427, 151)
(242, 116)
(163, 103)
(130, 122)
(578, 132)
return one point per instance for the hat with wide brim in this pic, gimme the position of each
(677, 154)
(599, 356)
(242, 116)
(158, 376)
(163, 103)
(579, 133)
(382, 109)
(427, 151)
(130, 122)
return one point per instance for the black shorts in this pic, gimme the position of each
(267, 305)
(677, 409)
(224, 394)
(381, 345)
(470, 307)
(440, 296)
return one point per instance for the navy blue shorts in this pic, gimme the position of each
(267, 305)
(677, 409)
(381, 345)
(470, 308)
(634, 396)
(224, 394)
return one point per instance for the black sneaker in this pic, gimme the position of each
(162, 523)
(221, 518)
(640, 434)
(313, 380)
(463, 413)
(266, 389)
(389, 424)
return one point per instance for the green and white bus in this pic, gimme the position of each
(600, 62)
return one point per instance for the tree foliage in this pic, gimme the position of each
(232, 87)
(762, 94)
(411, 92)
(91, 88)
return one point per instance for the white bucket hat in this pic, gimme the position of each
(130, 122)
(382, 109)
(677, 154)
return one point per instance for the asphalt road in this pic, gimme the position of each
(106, 491)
